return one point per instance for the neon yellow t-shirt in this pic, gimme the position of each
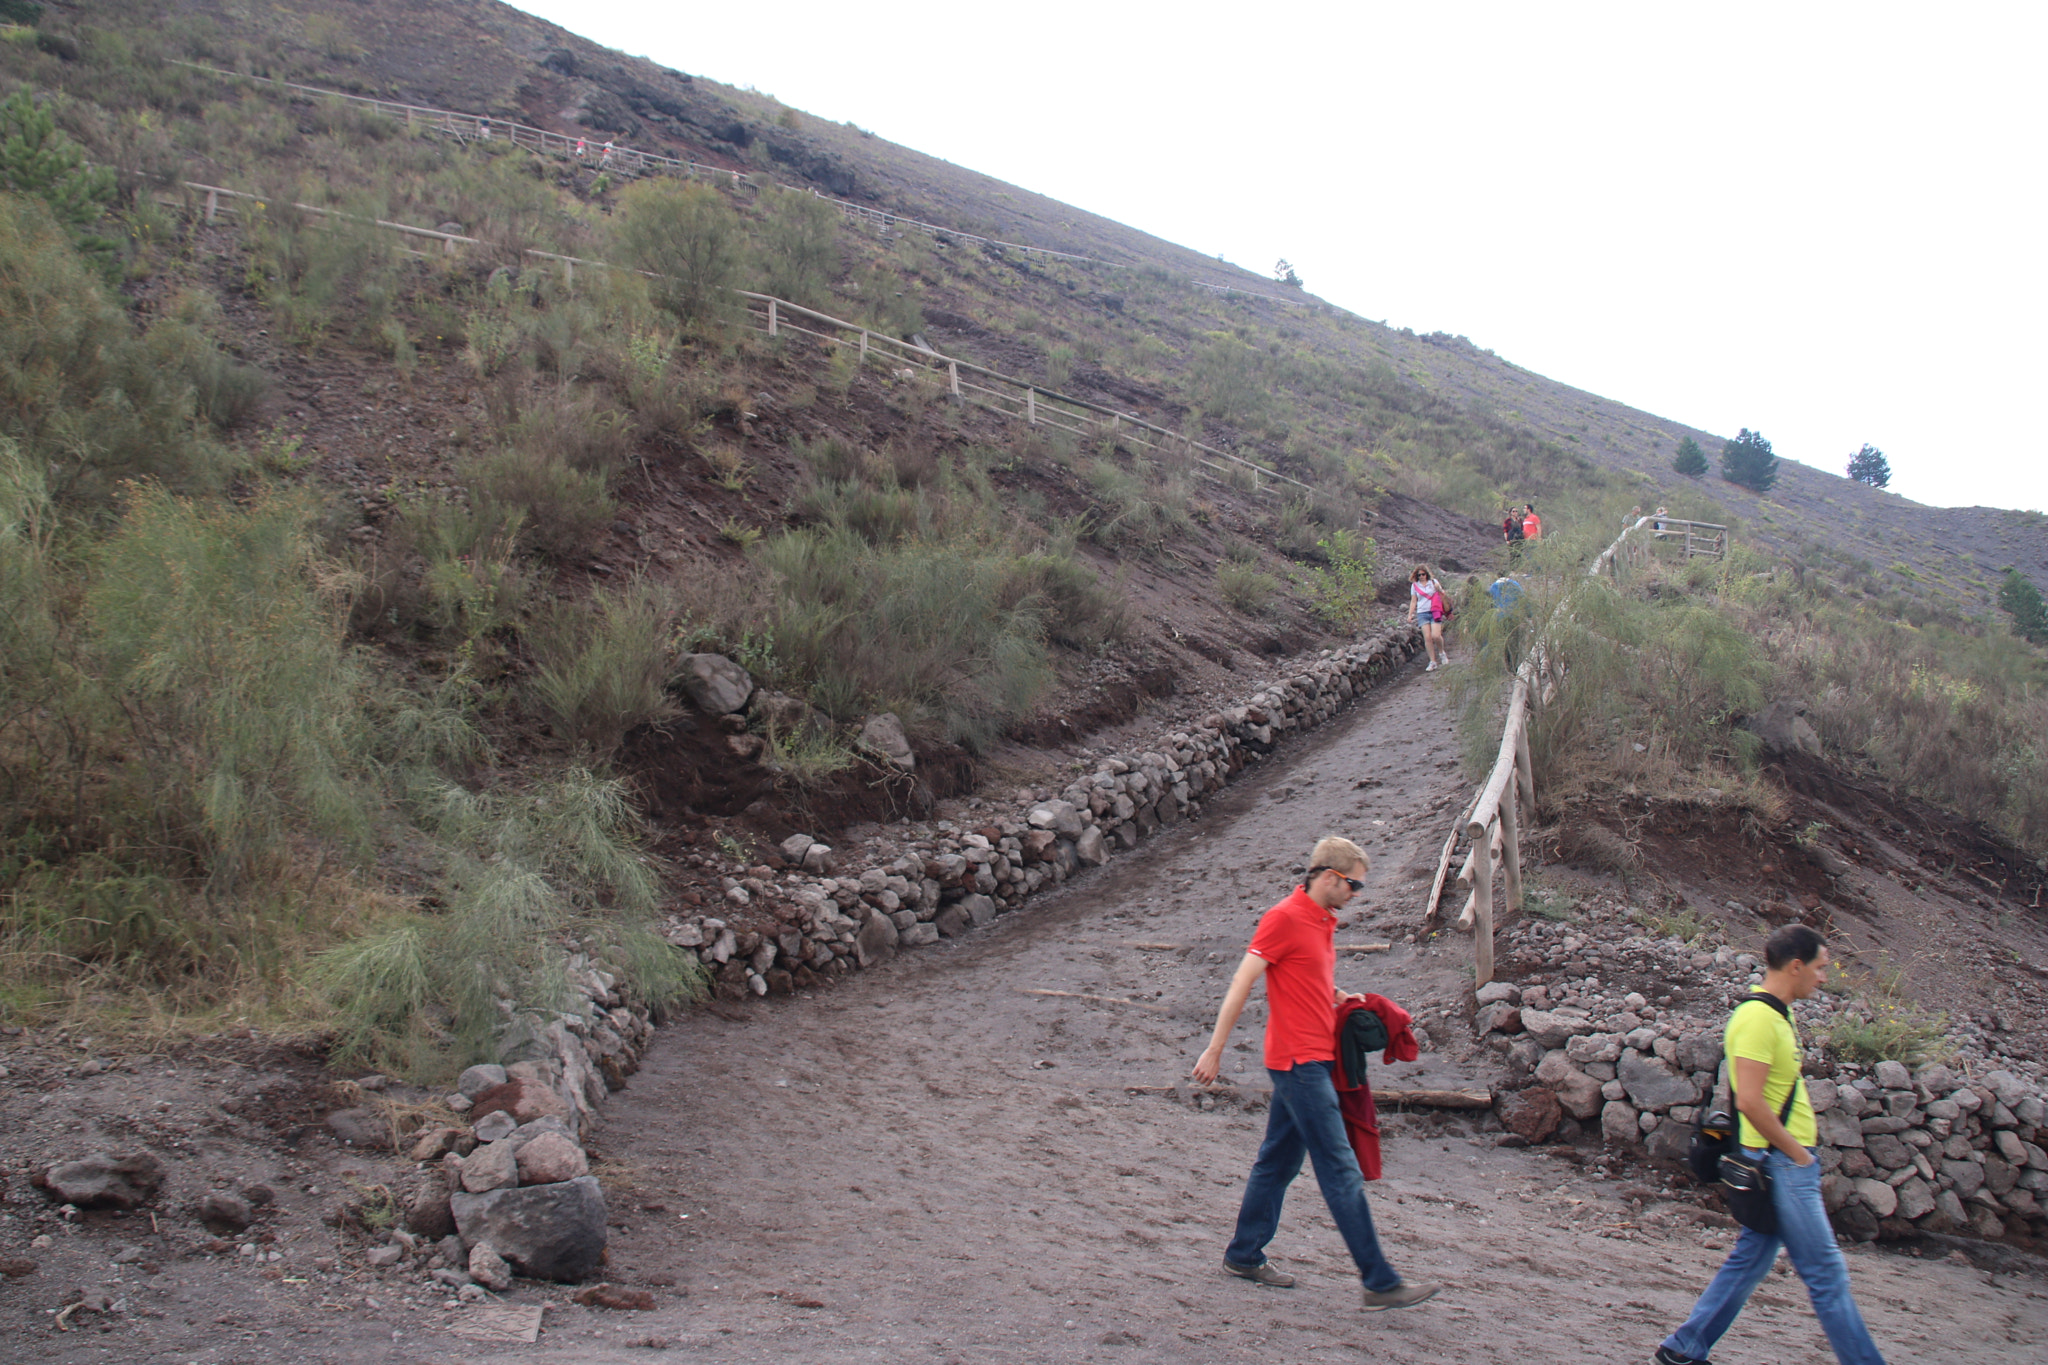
(1758, 1033)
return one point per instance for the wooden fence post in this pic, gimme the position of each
(569, 273)
(771, 317)
(1511, 848)
(953, 377)
(1482, 907)
(863, 346)
(212, 204)
(1030, 407)
(1525, 770)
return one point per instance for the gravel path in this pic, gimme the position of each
(931, 1164)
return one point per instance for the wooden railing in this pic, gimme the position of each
(1016, 398)
(632, 162)
(964, 380)
(1493, 822)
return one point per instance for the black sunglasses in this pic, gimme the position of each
(1352, 882)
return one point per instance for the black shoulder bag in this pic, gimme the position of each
(1716, 1157)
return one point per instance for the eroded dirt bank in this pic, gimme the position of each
(931, 1164)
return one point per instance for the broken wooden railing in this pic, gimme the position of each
(1493, 822)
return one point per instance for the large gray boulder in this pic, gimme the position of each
(1652, 1083)
(876, 941)
(545, 1232)
(101, 1181)
(1551, 1028)
(714, 684)
(884, 735)
(1784, 729)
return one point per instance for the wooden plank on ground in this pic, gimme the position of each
(1435, 1099)
(1098, 999)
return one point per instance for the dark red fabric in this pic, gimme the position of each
(1401, 1045)
(1298, 940)
(1361, 1115)
(1362, 1126)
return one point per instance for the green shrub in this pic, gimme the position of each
(1343, 590)
(36, 159)
(425, 994)
(687, 235)
(1888, 1033)
(562, 510)
(799, 246)
(1245, 588)
(602, 667)
(84, 395)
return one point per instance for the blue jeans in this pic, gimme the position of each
(1303, 1121)
(1803, 1230)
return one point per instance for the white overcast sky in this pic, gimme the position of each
(1823, 222)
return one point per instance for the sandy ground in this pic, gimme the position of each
(931, 1164)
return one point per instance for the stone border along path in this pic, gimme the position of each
(515, 1187)
(835, 920)
(1905, 1151)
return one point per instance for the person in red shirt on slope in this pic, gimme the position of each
(1294, 950)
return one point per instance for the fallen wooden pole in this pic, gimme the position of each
(1435, 1099)
(1098, 999)
(1364, 947)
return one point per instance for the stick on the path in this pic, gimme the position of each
(1158, 947)
(1099, 999)
(1435, 1099)
(1364, 947)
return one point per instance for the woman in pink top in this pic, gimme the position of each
(1424, 593)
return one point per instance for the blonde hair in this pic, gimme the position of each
(1339, 855)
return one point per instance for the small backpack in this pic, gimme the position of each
(1713, 1132)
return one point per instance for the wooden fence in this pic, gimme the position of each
(1016, 398)
(632, 162)
(964, 380)
(1493, 822)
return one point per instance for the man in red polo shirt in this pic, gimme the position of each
(1295, 950)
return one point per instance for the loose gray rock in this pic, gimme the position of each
(549, 1159)
(545, 1232)
(1533, 1113)
(876, 941)
(1090, 847)
(980, 909)
(426, 1213)
(714, 684)
(1618, 1124)
(884, 735)
(1916, 1199)
(1653, 1084)
(952, 921)
(1552, 1029)
(1882, 1198)
(1893, 1076)
(494, 1125)
(1498, 993)
(490, 1167)
(794, 847)
(1839, 1128)
(1784, 729)
(476, 1079)
(1887, 1151)
(223, 1212)
(488, 1268)
(103, 1182)
(360, 1128)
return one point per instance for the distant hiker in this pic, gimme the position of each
(1532, 525)
(483, 130)
(1294, 949)
(1763, 1055)
(1511, 525)
(604, 162)
(582, 148)
(1427, 607)
(1658, 525)
(1510, 613)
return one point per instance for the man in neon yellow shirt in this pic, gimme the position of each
(1763, 1067)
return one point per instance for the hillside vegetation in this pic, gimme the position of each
(342, 581)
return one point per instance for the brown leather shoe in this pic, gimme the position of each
(1401, 1296)
(1262, 1273)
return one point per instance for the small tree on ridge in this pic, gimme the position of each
(1869, 465)
(1748, 460)
(2022, 601)
(1690, 460)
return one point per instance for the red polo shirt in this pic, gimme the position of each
(1298, 940)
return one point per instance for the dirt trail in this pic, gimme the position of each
(928, 1164)
(931, 1165)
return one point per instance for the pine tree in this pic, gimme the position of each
(2022, 601)
(1748, 460)
(1869, 465)
(37, 160)
(1690, 460)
